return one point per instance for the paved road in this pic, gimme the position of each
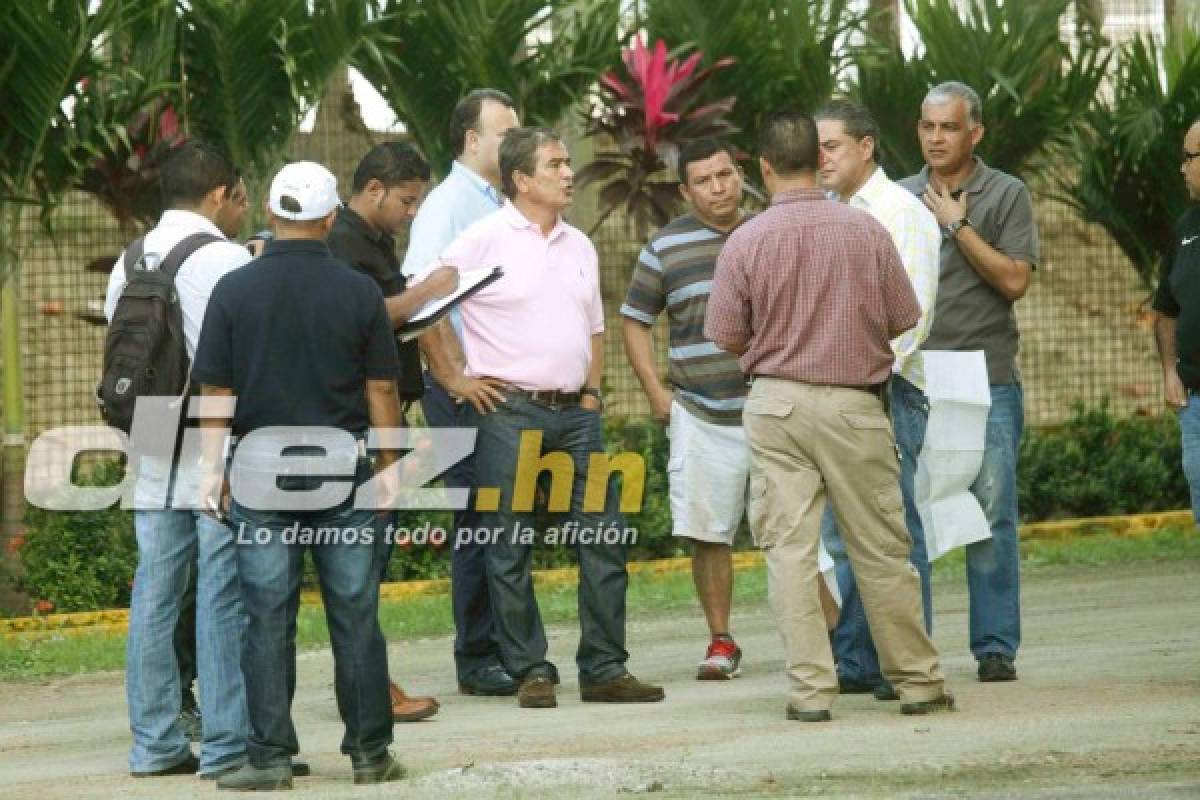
(1108, 705)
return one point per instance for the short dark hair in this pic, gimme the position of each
(855, 118)
(518, 153)
(788, 142)
(390, 163)
(192, 170)
(700, 149)
(467, 113)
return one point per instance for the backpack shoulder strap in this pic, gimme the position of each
(183, 250)
(133, 254)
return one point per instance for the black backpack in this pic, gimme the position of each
(145, 353)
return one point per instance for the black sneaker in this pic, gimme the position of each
(249, 778)
(994, 667)
(885, 692)
(300, 769)
(387, 768)
(186, 767)
(493, 681)
(796, 715)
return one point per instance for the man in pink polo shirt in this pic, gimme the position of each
(534, 345)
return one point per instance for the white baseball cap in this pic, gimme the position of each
(303, 190)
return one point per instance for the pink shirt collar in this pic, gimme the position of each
(513, 216)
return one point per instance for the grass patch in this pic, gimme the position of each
(26, 658)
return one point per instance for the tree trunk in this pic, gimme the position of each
(12, 454)
(885, 21)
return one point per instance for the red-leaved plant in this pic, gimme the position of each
(648, 117)
(124, 177)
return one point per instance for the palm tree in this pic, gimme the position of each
(53, 57)
(249, 70)
(546, 54)
(1124, 158)
(1033, 82)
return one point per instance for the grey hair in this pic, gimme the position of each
(955, 90)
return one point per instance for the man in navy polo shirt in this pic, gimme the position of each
(300, 340)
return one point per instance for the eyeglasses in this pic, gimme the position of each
(1188, 155)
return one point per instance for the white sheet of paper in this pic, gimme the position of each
(959, 401)
(826, 566)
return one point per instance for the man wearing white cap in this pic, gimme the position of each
(303, 341)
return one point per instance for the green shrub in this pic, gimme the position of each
(1096, 465)
(80, 560)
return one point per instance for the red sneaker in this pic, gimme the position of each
(721, 662)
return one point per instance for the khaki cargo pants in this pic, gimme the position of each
(808, 442)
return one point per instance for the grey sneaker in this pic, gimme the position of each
(249, 778)
(943, 702)
(383, 770)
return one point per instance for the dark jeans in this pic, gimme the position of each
(475, 637)
(185, 643)
(349, 573)
(603, 579)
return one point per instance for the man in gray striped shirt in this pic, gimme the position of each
(709, 463)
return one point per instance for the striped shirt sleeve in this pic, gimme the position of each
(646, 297)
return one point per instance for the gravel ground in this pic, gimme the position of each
(1107, 705)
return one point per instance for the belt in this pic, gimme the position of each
(548, 397)
(876, 389)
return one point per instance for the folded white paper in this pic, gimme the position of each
(959, 401)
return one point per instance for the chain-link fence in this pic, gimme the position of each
(1085, 326)
(1085, 323)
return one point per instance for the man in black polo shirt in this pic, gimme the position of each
(1177, 328)
(387, 189)
(301, 341)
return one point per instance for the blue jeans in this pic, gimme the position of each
(994, 565)
(349, 572)
(175, 547)
(603, 579)
(474, 631)
(853, 648)
(1189, 429)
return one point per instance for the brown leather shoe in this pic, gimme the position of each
(411, 709)
(536, 691)
(625, 689)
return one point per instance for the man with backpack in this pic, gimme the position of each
(157, 296)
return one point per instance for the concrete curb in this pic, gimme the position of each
(116, 620)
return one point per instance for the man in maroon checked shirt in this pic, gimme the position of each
(808, 294)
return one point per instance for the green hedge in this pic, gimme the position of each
(1097, 465)
(1094, 465)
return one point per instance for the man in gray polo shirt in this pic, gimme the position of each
(989, 252)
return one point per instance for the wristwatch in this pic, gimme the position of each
(953, 228)
(592, 391)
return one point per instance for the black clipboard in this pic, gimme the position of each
(432, 312)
